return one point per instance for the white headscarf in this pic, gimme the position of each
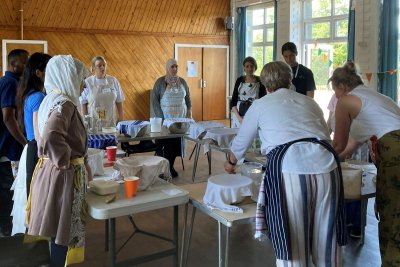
(170, 79)
(64, 75)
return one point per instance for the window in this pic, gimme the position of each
(325, 28)
(260, 33)
(325, 41)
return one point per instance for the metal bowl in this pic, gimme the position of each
(179, 127)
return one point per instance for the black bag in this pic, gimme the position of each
(244, 106)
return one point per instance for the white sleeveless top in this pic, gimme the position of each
(379, 114)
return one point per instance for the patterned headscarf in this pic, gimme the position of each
(172, 80)
(64, 75)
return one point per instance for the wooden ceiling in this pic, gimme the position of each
(192, 17)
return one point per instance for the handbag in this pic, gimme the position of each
(244, 106)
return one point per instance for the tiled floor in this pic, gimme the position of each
(245, 251)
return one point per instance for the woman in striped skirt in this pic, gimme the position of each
(300, 206)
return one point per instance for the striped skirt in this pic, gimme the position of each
(311, 208)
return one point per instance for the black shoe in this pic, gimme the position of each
(6, 230)
(174, 174)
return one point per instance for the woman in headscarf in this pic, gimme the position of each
(56, 206)
(170, 98)
(366, 115)
(300, 206)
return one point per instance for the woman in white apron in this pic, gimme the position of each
(170, 98)
(103, 96)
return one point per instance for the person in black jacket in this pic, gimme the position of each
(247, 88)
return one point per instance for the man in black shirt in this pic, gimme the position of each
(303, 78)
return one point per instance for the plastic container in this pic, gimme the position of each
(103, 187)
(155, 124)
(253, 170)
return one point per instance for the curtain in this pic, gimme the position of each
(388, 39)
(275, 30)
(351, 31)
(241, 39)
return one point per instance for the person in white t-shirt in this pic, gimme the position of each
(366, 115)
(103, 96)
(301, 204)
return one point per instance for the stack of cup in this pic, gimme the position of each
(131, 186)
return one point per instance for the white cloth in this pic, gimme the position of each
(132, 128)
(64, 76)
(379, 114)
(226, 189)
(222, 136)
(101, 96)
(95, 160)
(285, 116)
(147, 168)
(20, 197)
(168, 122)
(199, 129)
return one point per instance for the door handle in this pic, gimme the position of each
(204, 84)
(201, 83)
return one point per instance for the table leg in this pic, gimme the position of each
(190, 235)
(175, 238)
(228, 231)
(219, 246)
(364, 204)
(209, 161)
(111, 242)
(106, 238)
(194, 149)
(184, 234)
(196, 159)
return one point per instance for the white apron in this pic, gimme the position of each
(173, 105)
(246, 91)
(101, 103)
(173, 102)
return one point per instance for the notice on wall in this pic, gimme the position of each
(192, 69)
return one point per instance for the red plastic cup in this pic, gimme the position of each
(111, 153)
(131, 186)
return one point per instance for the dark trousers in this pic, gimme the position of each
(6, 195)
(353, 213)
(31, 160)
(58, 254)
(169, 149)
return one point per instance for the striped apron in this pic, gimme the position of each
(272, 209)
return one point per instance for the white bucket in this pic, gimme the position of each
(155, 125)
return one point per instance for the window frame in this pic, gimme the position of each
(332, 19)
(265, 27)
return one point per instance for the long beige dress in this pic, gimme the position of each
(58, 206)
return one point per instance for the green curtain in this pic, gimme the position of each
(388, 45)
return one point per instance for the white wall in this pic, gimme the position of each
(290, 28)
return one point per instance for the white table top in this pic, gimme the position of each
(161, 195)
(196, 193)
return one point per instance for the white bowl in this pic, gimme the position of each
(103, 187)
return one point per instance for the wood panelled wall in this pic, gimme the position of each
(136, 37)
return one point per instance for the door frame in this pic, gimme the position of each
(227, 104)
